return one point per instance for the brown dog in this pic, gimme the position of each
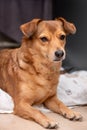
(30, 74)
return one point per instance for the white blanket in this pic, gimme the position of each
(72, 90)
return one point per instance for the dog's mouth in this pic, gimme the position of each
(58, 59)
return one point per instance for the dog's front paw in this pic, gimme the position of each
(50, 124)
(72, 115)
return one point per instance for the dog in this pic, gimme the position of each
(30, 73)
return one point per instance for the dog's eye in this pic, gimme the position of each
(44, 39)
(62, 37)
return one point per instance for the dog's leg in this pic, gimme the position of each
(57, 106)
(28, 112)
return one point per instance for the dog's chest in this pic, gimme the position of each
(46, 83)
(44, 91)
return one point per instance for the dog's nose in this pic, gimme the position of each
(59, 53)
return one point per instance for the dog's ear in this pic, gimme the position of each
(28, 29)
(68, 27)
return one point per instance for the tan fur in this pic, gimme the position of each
(30, 73)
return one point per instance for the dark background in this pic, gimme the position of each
(74, 11)
(13, 13)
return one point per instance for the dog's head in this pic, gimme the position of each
(48, 38)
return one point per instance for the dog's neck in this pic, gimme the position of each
(51, 66)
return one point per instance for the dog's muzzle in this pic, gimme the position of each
(59, 54)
